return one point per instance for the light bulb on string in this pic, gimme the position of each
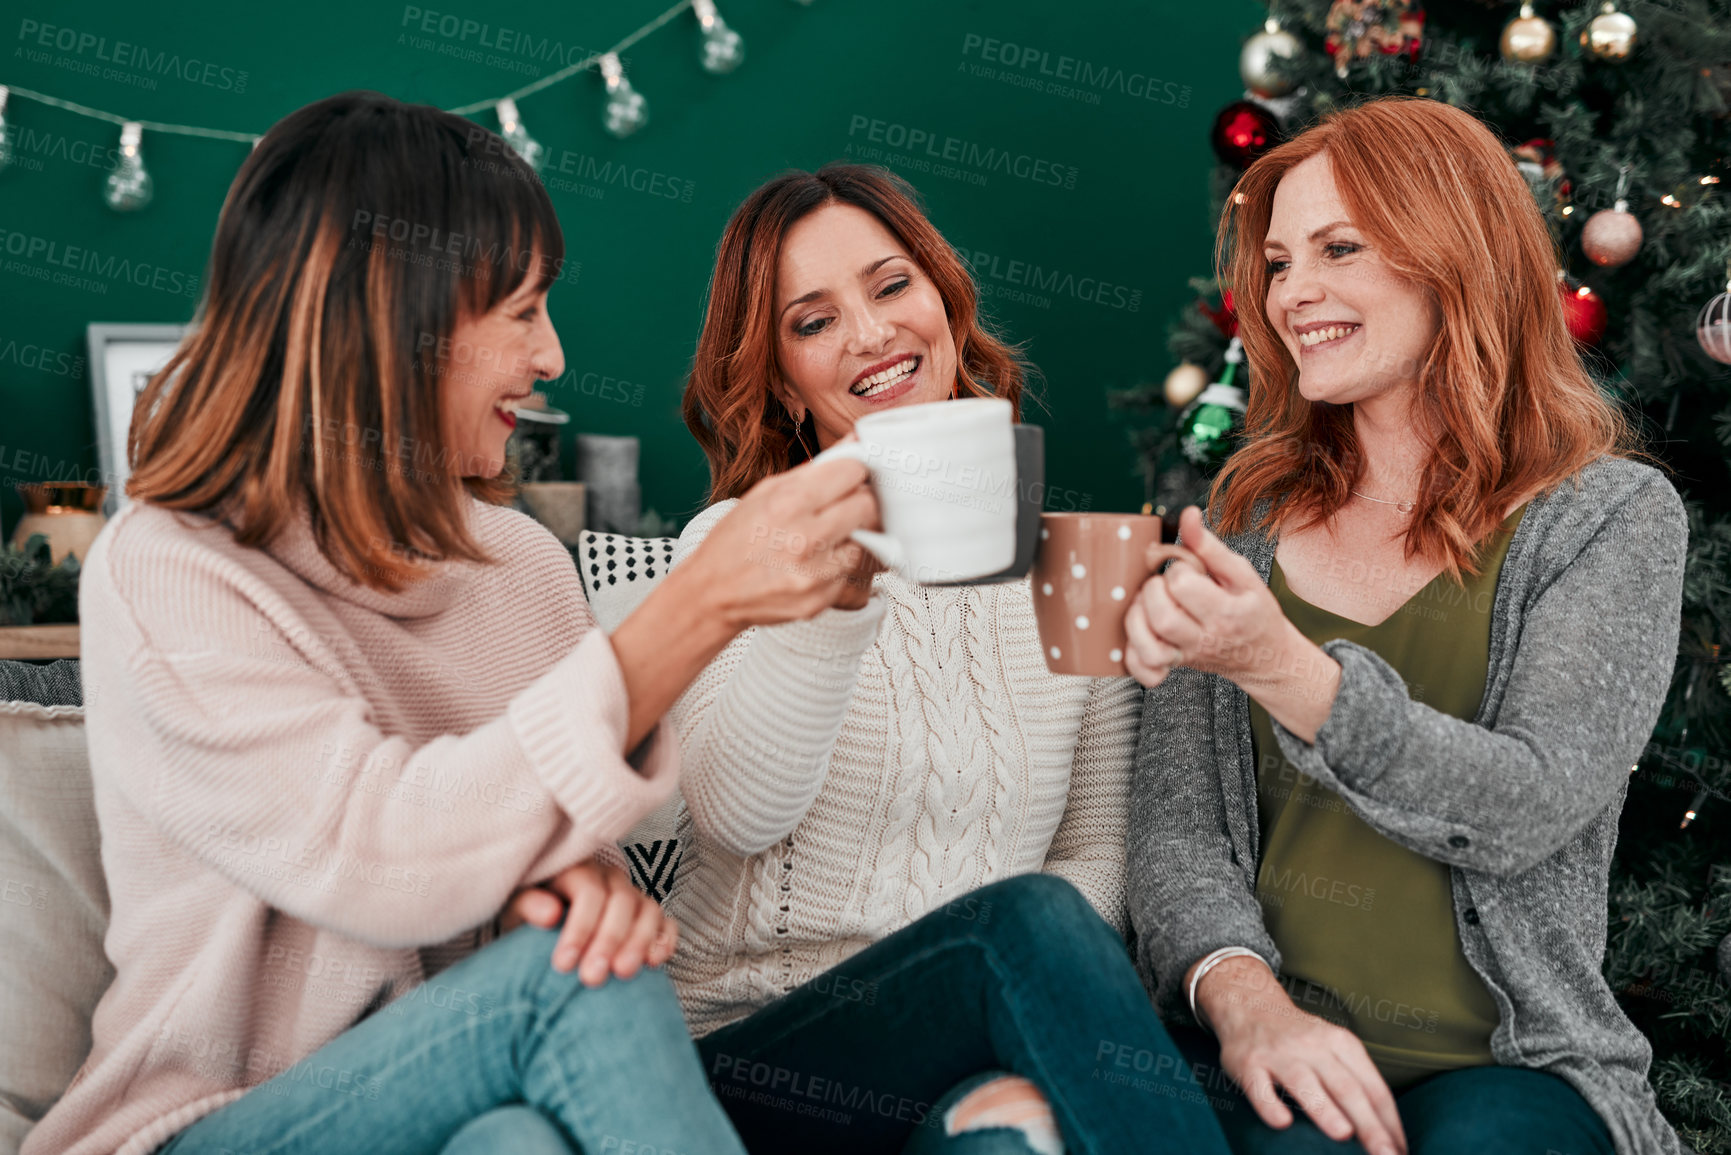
(129, 186)
(723, 49)
(5, 129)
(626, 110)
(511, 128)
(1694, 810)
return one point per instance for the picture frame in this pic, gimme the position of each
(123, 358)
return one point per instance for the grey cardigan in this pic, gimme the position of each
(1521, 802)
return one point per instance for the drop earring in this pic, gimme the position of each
(798, 420)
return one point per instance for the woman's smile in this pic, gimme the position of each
(1322, 336)
(882, 383)
(506, 409)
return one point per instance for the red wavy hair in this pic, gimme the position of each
(1437, 194)
(728, 405)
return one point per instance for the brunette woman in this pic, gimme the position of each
(341, 705)
(1391, 728)
(905, 880)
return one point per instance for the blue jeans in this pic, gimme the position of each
(1475, 1110)
(1021, 976)
(499, 1053)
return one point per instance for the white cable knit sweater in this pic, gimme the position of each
(846, 775)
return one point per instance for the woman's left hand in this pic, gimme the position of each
(1224, 621)
(609, 924)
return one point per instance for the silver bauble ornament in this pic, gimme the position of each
(1612, 237)
(1184, 384)
(1713, 328)
(1528, 39)
(1724, 956)
(1257, 65)
(1611, 35)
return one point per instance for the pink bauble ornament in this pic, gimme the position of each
(1612, 237)
(1713, 328)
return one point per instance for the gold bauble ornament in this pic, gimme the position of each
(1612, 237)
(1184, 384)
(1611, 35)
(1256, 63)
(1528, 39)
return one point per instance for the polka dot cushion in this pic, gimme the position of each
(618, 573)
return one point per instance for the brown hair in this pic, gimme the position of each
(354, 238)
(1439, 197)
(728, 405)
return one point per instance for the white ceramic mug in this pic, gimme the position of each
(945, 478)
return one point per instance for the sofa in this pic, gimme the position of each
(53, 898)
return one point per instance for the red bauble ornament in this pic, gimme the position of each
(1584, 311)
(1242, 132)
(1225, 318)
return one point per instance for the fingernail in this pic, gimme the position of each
(564, 960)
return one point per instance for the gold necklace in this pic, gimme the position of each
(1403, 506)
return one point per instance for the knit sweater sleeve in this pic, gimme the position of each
(1187, 891)
(272, 771)
(1088, 847)
(757, 726)
(1592, 664)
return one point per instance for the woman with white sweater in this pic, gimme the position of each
(904, 883)
(341, 705)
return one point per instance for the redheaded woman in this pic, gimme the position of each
(906, 835)
(1391, 728)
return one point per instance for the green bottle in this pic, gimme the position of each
(1209, 426)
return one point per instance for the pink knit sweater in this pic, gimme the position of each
(312, 794)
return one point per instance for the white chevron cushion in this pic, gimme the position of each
(618, 573)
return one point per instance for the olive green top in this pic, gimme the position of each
(1366, 928)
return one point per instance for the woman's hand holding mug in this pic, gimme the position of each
(1220, 620)
(1223, 619)
(783, 553)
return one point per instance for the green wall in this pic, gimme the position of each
(1123, 135)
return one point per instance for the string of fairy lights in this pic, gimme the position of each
(129, 188)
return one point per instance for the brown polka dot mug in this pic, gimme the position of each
(1087, 569)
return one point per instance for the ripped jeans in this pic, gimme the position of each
(1021, 976)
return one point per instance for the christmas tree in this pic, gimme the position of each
(1621, 120)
